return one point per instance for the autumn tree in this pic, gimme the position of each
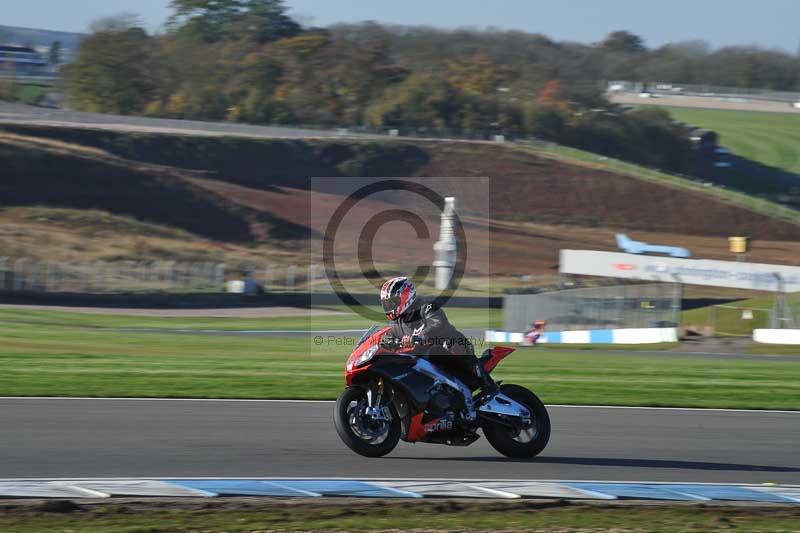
(211, 21)
(624, 41)
(476, 75)
(113, 70)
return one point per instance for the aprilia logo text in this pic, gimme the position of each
(443, 424)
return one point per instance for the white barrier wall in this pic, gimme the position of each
(597, 336)
(645, 336)
(777, 336)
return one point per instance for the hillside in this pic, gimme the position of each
(121, 196)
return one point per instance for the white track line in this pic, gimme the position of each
(493, 492)
(246, 400)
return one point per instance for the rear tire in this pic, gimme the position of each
(511, 443)
(343, 419)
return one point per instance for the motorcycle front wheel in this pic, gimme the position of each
(524, 443)
(361, 433)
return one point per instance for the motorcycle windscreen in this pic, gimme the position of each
(367, 334)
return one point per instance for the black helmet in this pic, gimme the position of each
(397, 297)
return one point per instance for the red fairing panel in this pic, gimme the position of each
(498, 354)
(350, 368)
(416, 429)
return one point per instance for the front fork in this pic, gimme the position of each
(374, 409)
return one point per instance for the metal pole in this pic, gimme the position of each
(713, 318)
(48, 279)
(219, 276)
(677, 303)
(33, 277)
(97, 278)
(19, 274)
(268, 277)
(780, 301)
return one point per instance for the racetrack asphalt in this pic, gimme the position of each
(51, 438)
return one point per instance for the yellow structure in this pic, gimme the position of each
(739, 245)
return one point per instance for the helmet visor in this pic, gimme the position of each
(390, 304)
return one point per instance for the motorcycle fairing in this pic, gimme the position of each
(497, 354)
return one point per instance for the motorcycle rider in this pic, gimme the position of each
(416, 322)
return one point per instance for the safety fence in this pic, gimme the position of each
(26, 274)
(689, 89)
(622, 306)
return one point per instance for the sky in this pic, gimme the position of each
(769, 23)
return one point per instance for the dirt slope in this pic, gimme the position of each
(250, 193)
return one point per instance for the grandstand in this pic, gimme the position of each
(22, 61)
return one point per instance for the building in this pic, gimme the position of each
(22, 61)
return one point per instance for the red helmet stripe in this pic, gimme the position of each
(404, 297)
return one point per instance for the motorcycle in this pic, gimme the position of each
(395, 393)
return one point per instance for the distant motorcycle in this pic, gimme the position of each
(394, 393)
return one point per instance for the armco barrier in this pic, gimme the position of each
(777, 336)
(595, 336)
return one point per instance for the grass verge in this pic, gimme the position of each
(738, 318)
(270, 515)
(465, 318)
(42, 354)
(769, 138)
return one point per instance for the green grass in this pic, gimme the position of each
(769, 138)
(30, 94)
(464, 318)
(727, 319)
(399, 516)
(44, 354)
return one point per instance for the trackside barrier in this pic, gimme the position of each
(595, 336)
(777, 336)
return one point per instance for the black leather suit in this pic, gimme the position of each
(442, 343)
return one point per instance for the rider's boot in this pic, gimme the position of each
(487, 384)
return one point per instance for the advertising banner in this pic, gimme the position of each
(737, 275)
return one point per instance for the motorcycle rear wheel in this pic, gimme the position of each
(525, 443)
(349, 423)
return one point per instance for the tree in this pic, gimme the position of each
(421, 101)
(623, 41)
(114, 70)
(474, 76)
(211, 21)
(550, 95)
(54, 56)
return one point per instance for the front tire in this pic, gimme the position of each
(525, 443)
(359, 433)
